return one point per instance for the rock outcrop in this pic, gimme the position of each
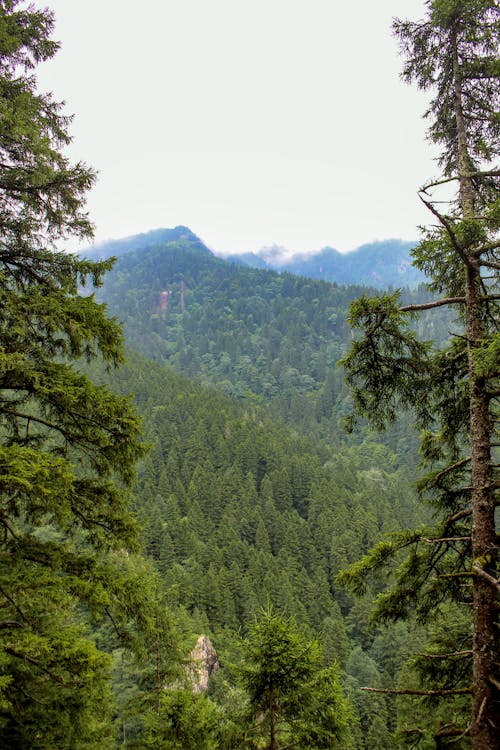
(204, 663)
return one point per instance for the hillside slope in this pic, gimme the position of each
(261, 336)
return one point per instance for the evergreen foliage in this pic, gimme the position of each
(237, 511)
(67, 447)
(291, 699)
(236, 508)
(452, 392)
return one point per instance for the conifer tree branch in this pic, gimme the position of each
(13, 603)
(456, 177)
(31, 418)
(408, 691)
(490, 264)
(451, 520)
(31, 660)
(446, 224)
(444, 540)
(449, 730)
(452, 655)
(436, 303)
(452, 467)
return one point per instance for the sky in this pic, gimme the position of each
(253, 123)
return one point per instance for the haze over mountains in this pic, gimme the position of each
(381, 264)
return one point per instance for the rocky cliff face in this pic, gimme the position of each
(205, 663)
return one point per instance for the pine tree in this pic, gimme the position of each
(292, 700)
(454, 392)
(67, 446)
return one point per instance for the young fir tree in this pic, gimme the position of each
(67, 447)
(454, 393)
(293, 701)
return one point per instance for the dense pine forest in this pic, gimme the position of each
(242, 508)
(240, 512)
(253, 493)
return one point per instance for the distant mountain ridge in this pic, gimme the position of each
(381, 264)
(376, 264)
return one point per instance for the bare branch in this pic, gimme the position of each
(486, 576)
(447, 539)
(446, 224)
(436, 303)
(453, 655)
(466, 513)
(450, 730)
(436, 183)
(451, 468)
(390, 691)
(490, 264)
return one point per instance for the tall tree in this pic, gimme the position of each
(293, 702)
(454, 393)
(67, 447)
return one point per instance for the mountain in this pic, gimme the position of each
(378, 264)
(239, 510)
(179, 235)
(257, 334)
(261, 336)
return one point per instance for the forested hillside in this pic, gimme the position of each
(239, 512)
(240, 507)
(264, 337)
(263, 498)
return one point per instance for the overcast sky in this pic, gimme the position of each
(254, 123)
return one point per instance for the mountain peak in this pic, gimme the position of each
(145, 241)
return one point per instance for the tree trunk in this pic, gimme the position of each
(485, 726)
(485, 723)
(273, 743)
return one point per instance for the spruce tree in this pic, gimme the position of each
(452, 53)
(293, 701)
(67, 446)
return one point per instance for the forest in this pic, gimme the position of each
(243, 508)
